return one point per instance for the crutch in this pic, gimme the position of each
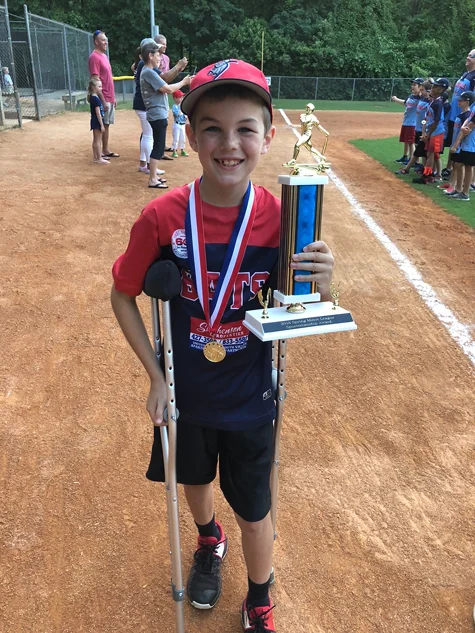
(278, 384)
(162, 282)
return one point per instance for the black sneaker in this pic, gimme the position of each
(423, 180)
(204, 582)
(446, 173)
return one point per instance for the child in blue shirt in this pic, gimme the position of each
(421, 111)
(179, 122)
(433, 131)
(97, 120)
(463, 149)
(408, 128)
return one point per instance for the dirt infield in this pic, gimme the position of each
(375, 518)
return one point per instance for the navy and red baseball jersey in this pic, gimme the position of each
(435, 114)
(235, 394)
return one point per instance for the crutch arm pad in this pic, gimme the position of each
(163, 280)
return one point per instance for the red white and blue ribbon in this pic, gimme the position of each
(196, 245)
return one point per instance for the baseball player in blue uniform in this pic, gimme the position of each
(463, 148)
(408, 127)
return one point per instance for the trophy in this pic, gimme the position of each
(298, 310)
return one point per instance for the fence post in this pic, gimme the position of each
(2, 113)
(123, 90)
(316, 87)
(392, 89)
(353, 93)
(68, 74)
(14, 77)
(278, 90)
(33, 74)
(40, 72)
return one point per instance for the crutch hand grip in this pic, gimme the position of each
(165, 414)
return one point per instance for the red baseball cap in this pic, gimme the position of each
(177, 94)
(228, 71)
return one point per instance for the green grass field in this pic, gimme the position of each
(299, 104)
(367, 106)
(386, 150)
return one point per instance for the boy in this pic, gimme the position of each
(465, 100)
(433, 131)
(408, 129)
(225, 408)
(421, 110)
(463, 150)
(179, 121)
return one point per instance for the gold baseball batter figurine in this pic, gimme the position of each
(308, 121)
(264, 303)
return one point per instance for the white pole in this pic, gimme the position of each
(152, 18)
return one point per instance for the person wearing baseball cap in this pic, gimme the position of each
(224, 234)
(433, 131)
(178, 129)
(462, 150)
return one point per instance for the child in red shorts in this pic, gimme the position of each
(433, 131)
(408, 128)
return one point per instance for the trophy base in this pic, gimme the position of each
(318, 318)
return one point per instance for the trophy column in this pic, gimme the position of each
(300, 224)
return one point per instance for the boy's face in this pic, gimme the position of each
(415, 89)
(178, 100)
(229, 137)
(462, 103)
(436, 91)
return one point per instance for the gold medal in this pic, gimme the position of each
(214, 352)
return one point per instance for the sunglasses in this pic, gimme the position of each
(471, 56)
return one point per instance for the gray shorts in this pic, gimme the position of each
(109, 114)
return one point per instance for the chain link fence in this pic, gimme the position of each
(312, 88)
(340, 88)
(45, 66)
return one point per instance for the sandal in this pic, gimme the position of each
(159, 185)
(111, 155)
(166, 157)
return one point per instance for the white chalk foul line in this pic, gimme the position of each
(457, 330)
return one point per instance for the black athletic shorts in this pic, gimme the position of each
(450, 132)
(418, 137)
(245, 462)
(455, 157)
(420, 151)
(467, 158)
